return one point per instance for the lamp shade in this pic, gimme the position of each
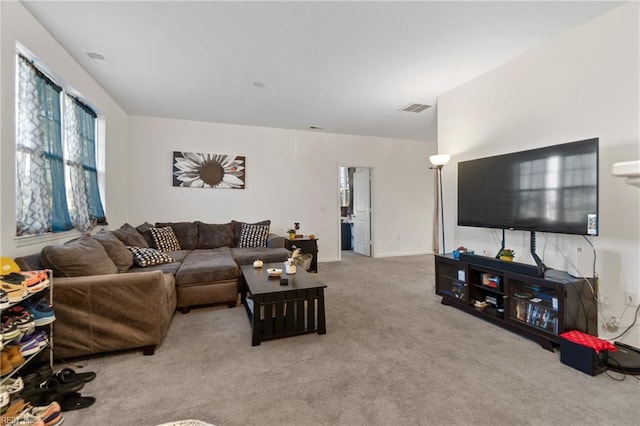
(439, 159)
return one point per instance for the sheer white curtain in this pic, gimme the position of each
(80, 216)
(33, 206)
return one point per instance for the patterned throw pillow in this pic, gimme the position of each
(165, 239)
(253, 235)
(146, 256)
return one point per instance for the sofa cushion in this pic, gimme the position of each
(31, 262)
(186, 232)
(237, 229)
(211, 236)
(78, 258)
(246, 256)
(207, 266)
(167, 268)
(117, 251)
(145, 230)
(253, 235)
(130, 236)
(178, 255)
(147, 256)
(165, 239)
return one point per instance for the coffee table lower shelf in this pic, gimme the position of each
(286, 313)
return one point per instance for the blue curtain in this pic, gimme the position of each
(87, 132)
(51, 127)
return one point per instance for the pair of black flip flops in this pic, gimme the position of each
(62, 387)
(13, 278)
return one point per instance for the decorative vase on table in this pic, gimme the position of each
(290, 268)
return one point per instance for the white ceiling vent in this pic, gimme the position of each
(96, 57)
(414, 107)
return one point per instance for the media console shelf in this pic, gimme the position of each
(538, 308)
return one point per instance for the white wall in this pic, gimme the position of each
(18, 25)
(291, 176)
(583, 84)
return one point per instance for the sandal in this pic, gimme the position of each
(52, 391)
(75, 401)
(67, 375)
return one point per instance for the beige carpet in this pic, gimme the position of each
(392, 355)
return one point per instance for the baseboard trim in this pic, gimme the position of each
(405, 253)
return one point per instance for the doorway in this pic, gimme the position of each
(355, 190)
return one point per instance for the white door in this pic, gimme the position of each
(362, 211)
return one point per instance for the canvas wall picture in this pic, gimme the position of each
(197, 170)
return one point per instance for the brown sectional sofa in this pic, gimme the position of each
(105, 301)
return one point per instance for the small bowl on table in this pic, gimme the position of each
(274, 272)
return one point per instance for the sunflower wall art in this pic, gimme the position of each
(196, 170)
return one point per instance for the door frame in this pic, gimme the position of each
(371, 209)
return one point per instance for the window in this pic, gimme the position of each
(56, 176)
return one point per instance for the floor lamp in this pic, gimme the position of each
(439, 162)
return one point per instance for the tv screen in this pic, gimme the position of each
(550, 189)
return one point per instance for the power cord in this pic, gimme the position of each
(586, 280)
(624, 372)
(635, 319)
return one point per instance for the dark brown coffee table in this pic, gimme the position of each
(277, 310)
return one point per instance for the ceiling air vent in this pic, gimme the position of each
(414, 107)
(96, 56)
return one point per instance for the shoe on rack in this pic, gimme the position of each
(12, 386)
(4, 401)
(42, 312)
(15, 292)
(5, 365)
(12, 277)
(35, 281)
(14, 411)
(4, 300)
(8, 328)
(30, 344)
(51, 415)
(43, 340)
(14, 355)
(22, 318)
(26, 418)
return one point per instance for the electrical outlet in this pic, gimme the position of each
(631, 298)
(611, 324)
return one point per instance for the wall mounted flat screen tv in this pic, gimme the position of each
(550, 189)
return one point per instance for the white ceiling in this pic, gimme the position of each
(344, 66)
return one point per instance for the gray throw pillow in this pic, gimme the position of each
(130, 236)
(145, 231)
(186, 232)
(116, 249)
(81, 257)
(212, 236)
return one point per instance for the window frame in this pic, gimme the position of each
(98, 147)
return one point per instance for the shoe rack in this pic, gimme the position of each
(47, 293)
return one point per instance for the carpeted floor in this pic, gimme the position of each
(392, 355)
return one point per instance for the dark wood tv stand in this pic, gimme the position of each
(538, 308)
